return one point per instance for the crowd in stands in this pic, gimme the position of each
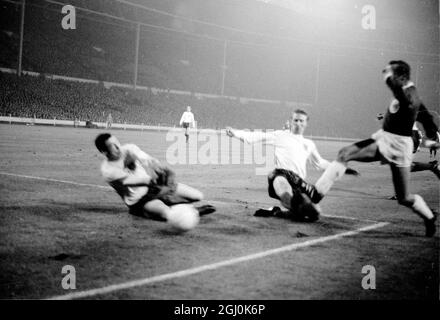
(32, 96)
(39, 97)
(344, 87)
(105, 51)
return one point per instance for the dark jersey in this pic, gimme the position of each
(427, 120)
(401, 114)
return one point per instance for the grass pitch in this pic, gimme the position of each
(55, 210)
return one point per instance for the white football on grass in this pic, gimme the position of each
(183, 217)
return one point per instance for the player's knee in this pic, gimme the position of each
(281, 186)
(198, 195)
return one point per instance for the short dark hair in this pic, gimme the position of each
(100, 141)
(402, 68)
(301, 111)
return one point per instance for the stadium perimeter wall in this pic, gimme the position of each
(125, 126)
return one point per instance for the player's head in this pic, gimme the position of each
(108, 145)
(299, 121)
(401, 70)
(188, 108)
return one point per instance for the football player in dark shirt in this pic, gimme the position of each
(392, 144)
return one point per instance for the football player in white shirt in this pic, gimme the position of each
(146, 186)
(292, 151)
(187, 120)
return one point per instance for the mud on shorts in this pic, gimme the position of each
(394, 148)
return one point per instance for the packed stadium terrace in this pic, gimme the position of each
(31, 96)
(40, 97)
(340, 83)
(106, 51)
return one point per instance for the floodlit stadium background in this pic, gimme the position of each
(245, 64)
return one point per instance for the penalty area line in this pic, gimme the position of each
(213, 266)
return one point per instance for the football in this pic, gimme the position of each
(183, 217)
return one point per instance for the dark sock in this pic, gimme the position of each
(205, 209)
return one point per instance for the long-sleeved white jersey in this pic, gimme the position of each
(187, 117)
(291, 150)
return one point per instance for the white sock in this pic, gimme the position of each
(333, 172)
(420, 207)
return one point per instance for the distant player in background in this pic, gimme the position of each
(292, 151)
(109, 121)
(392, 144)
(187, 121)
(147, 187)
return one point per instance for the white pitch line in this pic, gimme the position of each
(213, 266)
(109, 188)
(188, 272)
(54, 180)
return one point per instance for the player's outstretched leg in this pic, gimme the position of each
(423, 166)
(186, 194)
(157, 210)
(365, 151)
(401, 177)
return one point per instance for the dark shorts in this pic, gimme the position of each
(290, 176)
(186, 125)
(166, 193)
(300, 206)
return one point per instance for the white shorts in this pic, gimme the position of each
(394, 148)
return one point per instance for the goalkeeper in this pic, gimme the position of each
(147, 187)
